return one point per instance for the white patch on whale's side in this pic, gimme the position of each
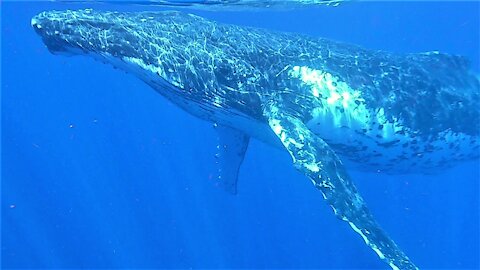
(365, 136)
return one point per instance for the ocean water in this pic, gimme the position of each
(99, 171)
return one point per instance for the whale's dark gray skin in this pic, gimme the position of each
(320, 100)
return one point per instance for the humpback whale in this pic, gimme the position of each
(330, 105)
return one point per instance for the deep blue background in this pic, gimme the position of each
(100, 171)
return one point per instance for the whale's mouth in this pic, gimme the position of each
(55, 40)
(54, 45)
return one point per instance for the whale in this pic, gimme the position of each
(333, 107)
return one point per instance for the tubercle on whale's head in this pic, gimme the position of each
(147, 43)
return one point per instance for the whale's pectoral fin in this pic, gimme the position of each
(231, 147)
(313, 157)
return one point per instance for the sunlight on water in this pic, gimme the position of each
(224, 5)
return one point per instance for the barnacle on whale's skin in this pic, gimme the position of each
(324, 102)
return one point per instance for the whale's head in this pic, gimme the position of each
(159, 47)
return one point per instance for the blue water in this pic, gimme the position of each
(99, 171)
